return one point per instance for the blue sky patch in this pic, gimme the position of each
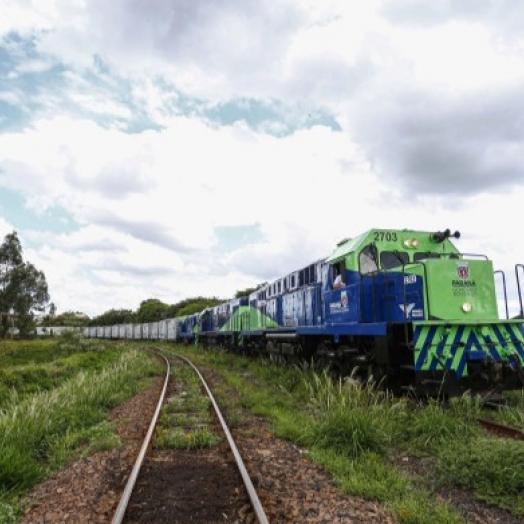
(261, 115)
(230, 238)
(14, 210)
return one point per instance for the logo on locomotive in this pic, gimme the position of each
(463, 270)
(344, 299)
(465, 286)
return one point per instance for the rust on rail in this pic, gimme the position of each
(501, 430)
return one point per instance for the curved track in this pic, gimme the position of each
(248, 484)
(124, 500)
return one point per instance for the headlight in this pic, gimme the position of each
(466, 307)
(411, 242)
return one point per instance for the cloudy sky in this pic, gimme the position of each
(175, 148)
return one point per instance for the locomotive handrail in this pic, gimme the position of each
(504, 289)
(517, 266)
(406, 332)
(387, 296)
(373, 301)
(473, 255)
(426, 294)
(304, 305)
(373, 296)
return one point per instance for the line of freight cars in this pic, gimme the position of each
(404, 306)
(172, 329)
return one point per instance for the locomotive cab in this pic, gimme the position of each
(430, 312)
(385, 276)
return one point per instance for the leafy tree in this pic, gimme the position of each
(69, 318)
(23, 288)
(191, 305)
(113, 317)
(246, 292)
(151, 310)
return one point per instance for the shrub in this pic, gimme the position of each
(430, 426)
(349, 432)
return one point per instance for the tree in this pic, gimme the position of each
(198, 304)
(151, 310)
(191, 305)
(68, 318)
(246, 292)
(114, 317)
(23, 288)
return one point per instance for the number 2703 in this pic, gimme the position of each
(380, 236)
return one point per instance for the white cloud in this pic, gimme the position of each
(27, 15)
(430, 135)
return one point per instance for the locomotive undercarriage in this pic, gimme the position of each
(351, 356)
(487, 378)
(388, 361)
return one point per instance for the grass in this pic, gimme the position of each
(354, 431)
(54, 398)
(30, 367)
(493, 468)
(185, 421)
(511, 414)
(52, 415)
(430, 427)
(179, 438)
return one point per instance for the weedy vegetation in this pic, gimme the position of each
(55, 405)
(55, 396)
(362, 436)
(185, 421)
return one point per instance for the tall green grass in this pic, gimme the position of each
(432, 426)
(355, 431)
(512, 413)
(351, 417)
(35, 432)
(29, 367)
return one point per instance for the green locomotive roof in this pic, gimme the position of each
(393, 240)
(347, 246)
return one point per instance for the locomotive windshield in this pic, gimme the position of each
(391, 259)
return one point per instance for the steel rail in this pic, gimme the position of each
(500, 429)
(124, 500)
(253, 496)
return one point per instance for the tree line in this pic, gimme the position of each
(153, 310)
(25, 300)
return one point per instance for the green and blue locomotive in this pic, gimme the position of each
(404, 306)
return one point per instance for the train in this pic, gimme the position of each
(403, 307)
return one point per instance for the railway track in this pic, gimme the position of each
(172, 484)
(501, 430)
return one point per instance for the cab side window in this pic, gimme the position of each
(339, 275)
(367, 260)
